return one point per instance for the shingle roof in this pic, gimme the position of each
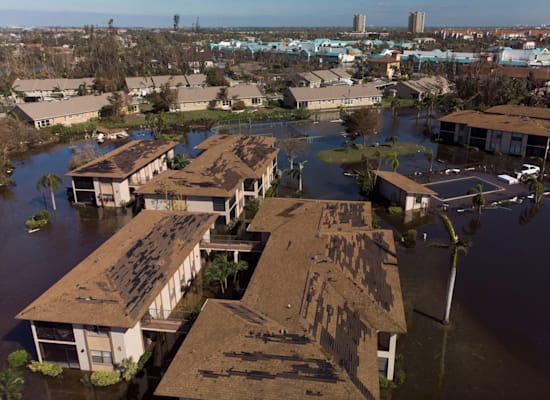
(74, 105)
(499, 122)
(124, 160)
(325, 284)
(225, 163)
(174, 81)
(426, 84)
(404, 183)
(210, 93)
(30, 85)
(521, 111)
(115, 285)
(334, 92)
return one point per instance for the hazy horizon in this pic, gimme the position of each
(266, 14)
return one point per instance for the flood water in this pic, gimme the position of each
(497, 345)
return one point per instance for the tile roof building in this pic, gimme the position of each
(319, 317)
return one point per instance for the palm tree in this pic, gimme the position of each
(537, 187)
(298, 173)
(217, 271)
(51, 182)
(392, 139)
(457, 245)
(430, 157)
(478, 200)
(179, 161)
(237, 267)
(391, 159)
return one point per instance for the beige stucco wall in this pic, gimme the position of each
(341, 102)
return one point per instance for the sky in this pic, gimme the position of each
(266, 13)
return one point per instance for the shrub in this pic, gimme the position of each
(400, 377)
(105, 378)
(46, 368)
(384, 383)
(410, 236)
(38, 220)
(18, 358)
(395, 210)
(128, 368)
(143, 360)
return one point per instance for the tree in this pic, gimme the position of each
(215, 77)
(51, 182)
(537, 187)
(179, 161)
(218, 270)
(457, 245)
(222, 95)
(11, 384)
(117, 105)
(391, 159)
(293, 146)
(392, 139)
(364, 122)
(82, 89)
(478, 200)
(163, 99)
(236, 267)
(394, 105)
(298, 173)
(428, 153)
(176, 22)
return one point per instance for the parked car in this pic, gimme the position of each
(526, 170)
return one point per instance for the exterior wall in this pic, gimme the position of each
(390, 356)
(392, 193)
(81, 348)
(333, 103)
(405, 92)
(193, 106)
(200, 204)
(127, 343)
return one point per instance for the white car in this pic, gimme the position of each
(526, 170)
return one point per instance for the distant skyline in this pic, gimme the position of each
(268, 13)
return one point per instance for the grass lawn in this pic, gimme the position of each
(347, 155)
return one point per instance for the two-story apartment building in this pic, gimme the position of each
(231, 169)
(99, 313)
(509, 129)
(319, 318)
(332, 97)
(110, 180)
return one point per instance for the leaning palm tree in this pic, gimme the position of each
(457, 245)
(478, 200)
(537, 187)
(391, 159)
(51, 182)
(429, 154)
(298, 173)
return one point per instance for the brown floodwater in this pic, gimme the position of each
(497, 345)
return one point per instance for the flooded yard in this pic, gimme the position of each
(497, 345)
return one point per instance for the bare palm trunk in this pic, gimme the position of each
(53, 199)
(450, 290)
(441, 376)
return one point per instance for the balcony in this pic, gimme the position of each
(172, 321)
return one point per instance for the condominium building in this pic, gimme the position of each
(416, 21)
(359, 22)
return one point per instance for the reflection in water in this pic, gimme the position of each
(529, 213)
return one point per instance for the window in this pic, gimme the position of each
(348, 102)
(101, 357)
(226, 103)
(418, 199)
(218, 203)
(94, 330)
(256, 101)
(54, 331)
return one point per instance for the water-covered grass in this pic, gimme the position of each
(356, 153)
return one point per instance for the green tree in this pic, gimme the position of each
(215, 77)
(11, 384)
(236, 267)
(51, 182)
(457, 245)
(364, 122)
(176, 22)
(222, 95)
(478, 200)
(116, 107)
(392, 160)
(218, 270)
(537, 188)
(82, 89)
(392, 139)
(179, 161)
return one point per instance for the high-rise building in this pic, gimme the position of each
(359, 22)
(416, 21)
